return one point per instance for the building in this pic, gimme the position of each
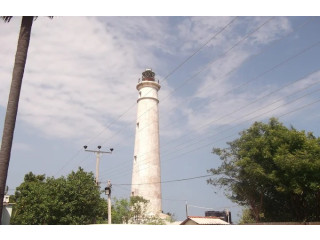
(6, 211)
(146, 175)
(224, 215)
(203, 221)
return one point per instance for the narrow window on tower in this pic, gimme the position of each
(132, 194)
(137, 124)
(139, 93)
(135, 158)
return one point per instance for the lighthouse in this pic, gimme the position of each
(146, 175)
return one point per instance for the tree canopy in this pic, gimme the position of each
(133, 211)
(74, 199)
(273, 171)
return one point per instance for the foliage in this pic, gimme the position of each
(246, 217)
(138, 210)
(12, 199)
(71, 200)
(171, 217)
(274, 171)
(133, 211)
(120, 211)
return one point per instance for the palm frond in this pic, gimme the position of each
(6, 18)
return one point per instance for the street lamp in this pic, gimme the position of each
(108, 191)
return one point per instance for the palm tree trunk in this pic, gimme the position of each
(13, 102)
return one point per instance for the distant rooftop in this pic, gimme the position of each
(205, 220)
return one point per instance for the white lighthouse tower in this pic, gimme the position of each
(146, 160)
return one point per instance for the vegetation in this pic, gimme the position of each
(133, 211)
(74, 199)
(171, 217)
(71, 200)
(247, 217)
(273, 171)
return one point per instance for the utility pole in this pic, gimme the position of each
(108, 192)
(97, 152)
(228, 215)
(187, 209)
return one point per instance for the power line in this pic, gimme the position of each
(165, 199)
(304, 106)
(78, 152)
(259, 99)
(301, 25)
(202, 146)
(213, 208)
(246, 115)
(225, 53)
(188, 58)
(270, 69)
(264, 49)
(212, 61)
(169, 181)
(255, 101)
(257, 77)
(184, 63)
(205, 44)
(174, 70)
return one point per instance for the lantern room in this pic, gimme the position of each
(148, 75)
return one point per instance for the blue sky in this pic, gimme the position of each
(79, 89)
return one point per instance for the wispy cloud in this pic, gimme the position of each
(81, 72)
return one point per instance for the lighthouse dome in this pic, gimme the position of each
(148, 75)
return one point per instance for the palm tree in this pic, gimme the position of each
(13, 101)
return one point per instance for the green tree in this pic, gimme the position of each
(138, 207)
(246, 217)
(171, 217)
(120, 211)
(274, 171)
(71, 200)
(133, 211)
(13, 101)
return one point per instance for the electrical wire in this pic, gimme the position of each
(253, 102)
(184, 82)
(206, 145)
(247, 105)
(201, 47)
(246, 120)
(303, 24)
(186, 60)
(169, 181)
(133, 105)
(223, 54)
(278, 100)
(257, 77)
(307, 105)
(189, 205)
